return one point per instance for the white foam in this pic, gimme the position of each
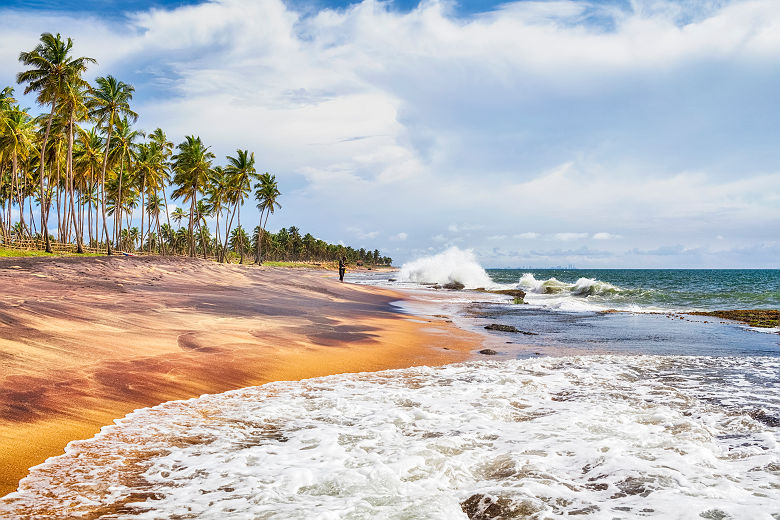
(453, 265)
(601, 437)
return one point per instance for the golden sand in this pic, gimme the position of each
(84, 341)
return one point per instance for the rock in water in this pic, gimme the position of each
(502, 328)
(488, 352)
(456, 286)
(486, 507)
(509, 328)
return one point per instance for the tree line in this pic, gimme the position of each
(84, 164)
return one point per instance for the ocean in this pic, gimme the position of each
(643, 413)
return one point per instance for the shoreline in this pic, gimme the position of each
(85, 341)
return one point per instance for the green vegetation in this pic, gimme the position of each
(5, 252)
(21, 252)
(83, 164)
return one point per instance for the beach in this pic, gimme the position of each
(84, 341)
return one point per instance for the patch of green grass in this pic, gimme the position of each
(20, 252)
(9, 253)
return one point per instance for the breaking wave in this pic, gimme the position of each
(582, 287)
(453, 265)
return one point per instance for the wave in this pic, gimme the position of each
(582, 287)
(649, 436)
(453, 265)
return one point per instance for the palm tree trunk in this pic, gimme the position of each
(240, 238)
(57, 186)
(167, 213)
(45, 212)
(192, 214)
(103, 183)
(69, 168)
(143, 210)
(227, 230)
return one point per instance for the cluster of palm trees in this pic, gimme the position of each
(288, 244)
(85, 160)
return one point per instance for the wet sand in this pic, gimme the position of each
(84, 341)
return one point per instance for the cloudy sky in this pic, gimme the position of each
(612, 133)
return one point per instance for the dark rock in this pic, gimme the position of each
(509, 328)
(502, 328)
(456, 286)
(391, 280)
(486, 507)
(488, 352)
(517, 293)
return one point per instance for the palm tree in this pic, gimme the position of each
(153, 208)
(73, 107)
(266, 194)
(178, 215)
(191, 167)
(239, 240)
(149, 173)
(123, 152)
(216, 192)
(165, 148)
(17, 137)
(51, 74)
(111, 99)
(88, 157)
(242, 171)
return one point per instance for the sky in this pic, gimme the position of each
(614, 134)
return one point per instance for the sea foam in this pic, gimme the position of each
(602, 437)
(453, 265)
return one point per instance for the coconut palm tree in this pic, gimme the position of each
(165, 148)
(191, 167)
(242, 172)
(216, 194)
(266, 194)
(153, 207)
(72, 108)
(110, 100)
(52, 71)
(88, 157)
(17, 138)
(149, 174)
(123, 153)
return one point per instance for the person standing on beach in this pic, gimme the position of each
(342, 267)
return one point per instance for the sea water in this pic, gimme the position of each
(675, 417)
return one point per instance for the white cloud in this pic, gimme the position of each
(400, 236)
(526, 236)
(569, 236)
(604, 236)
(362, 235)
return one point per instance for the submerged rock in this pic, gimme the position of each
(509, 328)
(517, 294)
(488, 352)
(486, 507)
(502, 328)
(456, 286)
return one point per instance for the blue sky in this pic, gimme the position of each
(626, 133)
